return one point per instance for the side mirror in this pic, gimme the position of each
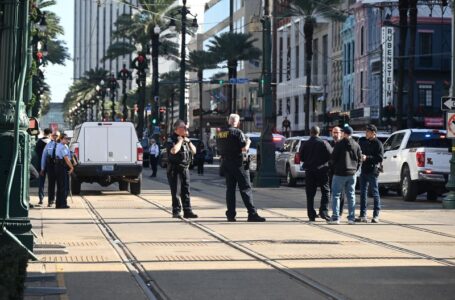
(33, 127)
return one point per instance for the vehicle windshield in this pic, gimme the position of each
(428, 139)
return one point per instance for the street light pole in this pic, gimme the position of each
(182, 105)
(449, 201)
(266, 173)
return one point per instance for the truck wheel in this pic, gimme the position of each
(75, 185)
(408, 188)
(123, 185)
(432, 195)
(290, 180)
(135, 187)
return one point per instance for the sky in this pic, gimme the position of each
(58, 77)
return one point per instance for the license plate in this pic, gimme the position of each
(108, 168)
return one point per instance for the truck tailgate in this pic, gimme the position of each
(95, 144)
(437, 159)
(119, 144)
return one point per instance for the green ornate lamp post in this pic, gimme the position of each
(266, 173)
(15, 226)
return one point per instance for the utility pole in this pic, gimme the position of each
(266, 172)
(449, 201)
(15, 226)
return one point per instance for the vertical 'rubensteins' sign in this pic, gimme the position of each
(387, 65)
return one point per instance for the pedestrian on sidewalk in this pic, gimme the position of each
(315, 154)
(336, 136)
(48, 167)
(346, 159)
(63, 168)
(233, 146)
(39, 149)
(372, 155)
(154, 151)
(180, 150)
(199, 158)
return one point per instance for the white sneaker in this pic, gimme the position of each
(375, 220)
(333, 222)
(361, 219)
(351, 222)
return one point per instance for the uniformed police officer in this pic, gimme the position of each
(233, 146)
(48, 167)
(180, 150)
(63, 168)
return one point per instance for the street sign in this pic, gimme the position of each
(238, 80)
(450, 125)
(447, 103)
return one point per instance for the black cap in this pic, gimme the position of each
(347, 129)
(372, 127)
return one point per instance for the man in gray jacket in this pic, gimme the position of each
(346, 158)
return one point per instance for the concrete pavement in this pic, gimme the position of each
(118, 245)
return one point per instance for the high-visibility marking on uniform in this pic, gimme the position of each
(223, 134)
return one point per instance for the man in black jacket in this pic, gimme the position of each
(315, 154)
(346, 157)
(372, 154)
(39, 148)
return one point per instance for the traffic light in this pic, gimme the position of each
(153, 120)
(221, 82)
(161, 116)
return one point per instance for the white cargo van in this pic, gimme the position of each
(107, 152)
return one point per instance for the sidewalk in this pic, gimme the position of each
(214, 259)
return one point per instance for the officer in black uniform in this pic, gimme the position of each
(232, 145)
(180, 151)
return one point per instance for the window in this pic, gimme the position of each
(325, 55)
(296, 110)
(361, 87)
(288, 57)
(280, 59)
(426, 49)
(288, 106)
(362, 40)
(297, 50)
(288, 145)
(280, 107)
(315, 57)
(394, 142)
(425, 94)
(428, 139)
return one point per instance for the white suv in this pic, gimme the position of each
(107, 152)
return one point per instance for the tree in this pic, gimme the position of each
(139, 28)
(56, 50)
(234, 47)
(200, 60)
(310, 10)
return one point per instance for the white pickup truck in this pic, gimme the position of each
(107, 152)
(416, 161)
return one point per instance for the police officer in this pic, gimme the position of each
(63, 168)
(180, 150)
(232, 145)
(48, 167)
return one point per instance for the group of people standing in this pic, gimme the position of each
(56, 165)
(334, 168)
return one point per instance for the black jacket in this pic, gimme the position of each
(315, 153)
(374, 152)
(230, 141)
(346, 157)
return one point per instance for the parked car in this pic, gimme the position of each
(288, 162)
(278, 140)
(107, 152)
(382, 136)
(416, 161)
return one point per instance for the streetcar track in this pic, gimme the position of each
(299, 277)
(442, 261)
(149, 286)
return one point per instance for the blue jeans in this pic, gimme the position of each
(372, 180)
(346, 183)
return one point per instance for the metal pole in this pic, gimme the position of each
(266, 173)
(182, 107)
(449, 201)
